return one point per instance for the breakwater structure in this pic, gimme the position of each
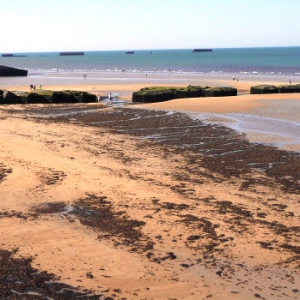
(12, 55)
(272, 89)
(159, 94)
(10, 71)
(201, 50)
(70, 53)
(46, 96)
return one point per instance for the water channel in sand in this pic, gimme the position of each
(264, 124)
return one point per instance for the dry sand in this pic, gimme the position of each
(136, 204)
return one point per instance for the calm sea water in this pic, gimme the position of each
(283, 61)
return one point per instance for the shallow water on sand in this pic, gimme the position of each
(277, 123)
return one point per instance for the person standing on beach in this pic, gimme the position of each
(109, 97)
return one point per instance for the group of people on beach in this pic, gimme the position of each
(33, 87)
(109, 98)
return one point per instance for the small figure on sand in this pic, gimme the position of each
(109, 97)
(98, 98)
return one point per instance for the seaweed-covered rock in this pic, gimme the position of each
(69, 96)
(189, 92)
(65, 97)
(289, 88)
(7, 97)
(20, 96)
(40, 96)
(88, 97)
(46, 96)
(153, 94)
(264, 89)
(219, 91)
(158, 94)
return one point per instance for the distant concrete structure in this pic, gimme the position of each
(12, 55)
(70, 53)
(201, 50)
(10, 71)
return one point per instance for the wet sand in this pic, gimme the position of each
(269, 119)
(133, 203)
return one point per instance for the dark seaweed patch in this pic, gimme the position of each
(49, 207)
(19, 280)
(4, 171)
(225, 153)
(98, 213)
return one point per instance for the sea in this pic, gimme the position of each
(50, 67)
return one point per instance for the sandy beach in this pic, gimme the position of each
(151, 201)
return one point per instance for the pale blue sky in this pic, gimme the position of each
(73, 25)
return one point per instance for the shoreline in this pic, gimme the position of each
(270, 107)
(119, 78)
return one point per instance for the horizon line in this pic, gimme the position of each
(160, 49)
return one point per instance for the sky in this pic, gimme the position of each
(96, 25)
